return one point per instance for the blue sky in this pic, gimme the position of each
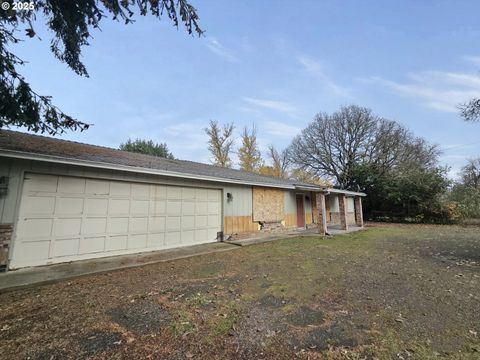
(274, 64)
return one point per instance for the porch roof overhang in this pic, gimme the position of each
(326, 190)
(345, 192)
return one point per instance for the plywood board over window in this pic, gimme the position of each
(268, 204)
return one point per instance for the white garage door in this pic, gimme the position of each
(70, 218)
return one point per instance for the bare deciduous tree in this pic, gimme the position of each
(280, 161)
(307, 177)
(249, 155)
(470, 111)
(220, 142)
(332, 145)
(267, 170)
(471, 173)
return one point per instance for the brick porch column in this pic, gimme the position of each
(322, 213)
(358, 211)
(342, 206)
(6, 231)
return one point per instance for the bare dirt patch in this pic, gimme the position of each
(141, 317)
(390, 292)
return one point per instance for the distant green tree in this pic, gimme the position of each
(147, 147)
(71, 24)
(466, 192)
(467, 199)
(405, 192)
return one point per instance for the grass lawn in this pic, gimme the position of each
(391, 292)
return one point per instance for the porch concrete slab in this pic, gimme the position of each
(336, 230)
(261, 239)
(16, 279)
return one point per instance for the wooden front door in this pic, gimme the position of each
(300, 211)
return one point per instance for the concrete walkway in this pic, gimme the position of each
(22, 278)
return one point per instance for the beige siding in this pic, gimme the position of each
(350, 204)
(241, 205)
(290, 203)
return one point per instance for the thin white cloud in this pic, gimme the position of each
(217, 48)
(280, 129)
(473, 59)
(279, 106)
(442, 91)
(315, 68)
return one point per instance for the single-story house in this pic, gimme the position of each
(63, 201)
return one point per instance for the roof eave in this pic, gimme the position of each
(104, 165)
(309, 188)
(346, 192)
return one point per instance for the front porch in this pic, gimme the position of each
(338, 211)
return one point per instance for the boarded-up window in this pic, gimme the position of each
(268, 204)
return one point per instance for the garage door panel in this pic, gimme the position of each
(214, 195)
(35, 228)
(118, 225)
(70, 218)
(201, 221)
(213, 221)
(40, 183)
(174, 192)
(160, 207)
(68, 206)
(65, 247)
(71, 185)
(34, 251)
(213, 207)
(90, 245)
(188, 237)
(157, 224)
(118, 188)
(173, 238)
(95, 226)
(188, 193)
(188, 222)
(119, 207)
(212, 234)
(139, 207)
(201, 207)
(173, 223)
(96, 206)
(188, 207)
(40, 205)
(67, 227)
(201, 235)
(137, 241)
(156, 240)
(160, 191)
(116, 243)
(201, 194)
(140, 191)
(174, 207)
(97, 187)
(139, 224)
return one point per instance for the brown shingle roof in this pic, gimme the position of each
(42, 145)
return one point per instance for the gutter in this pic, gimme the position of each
(109, 166)
(346, 192)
